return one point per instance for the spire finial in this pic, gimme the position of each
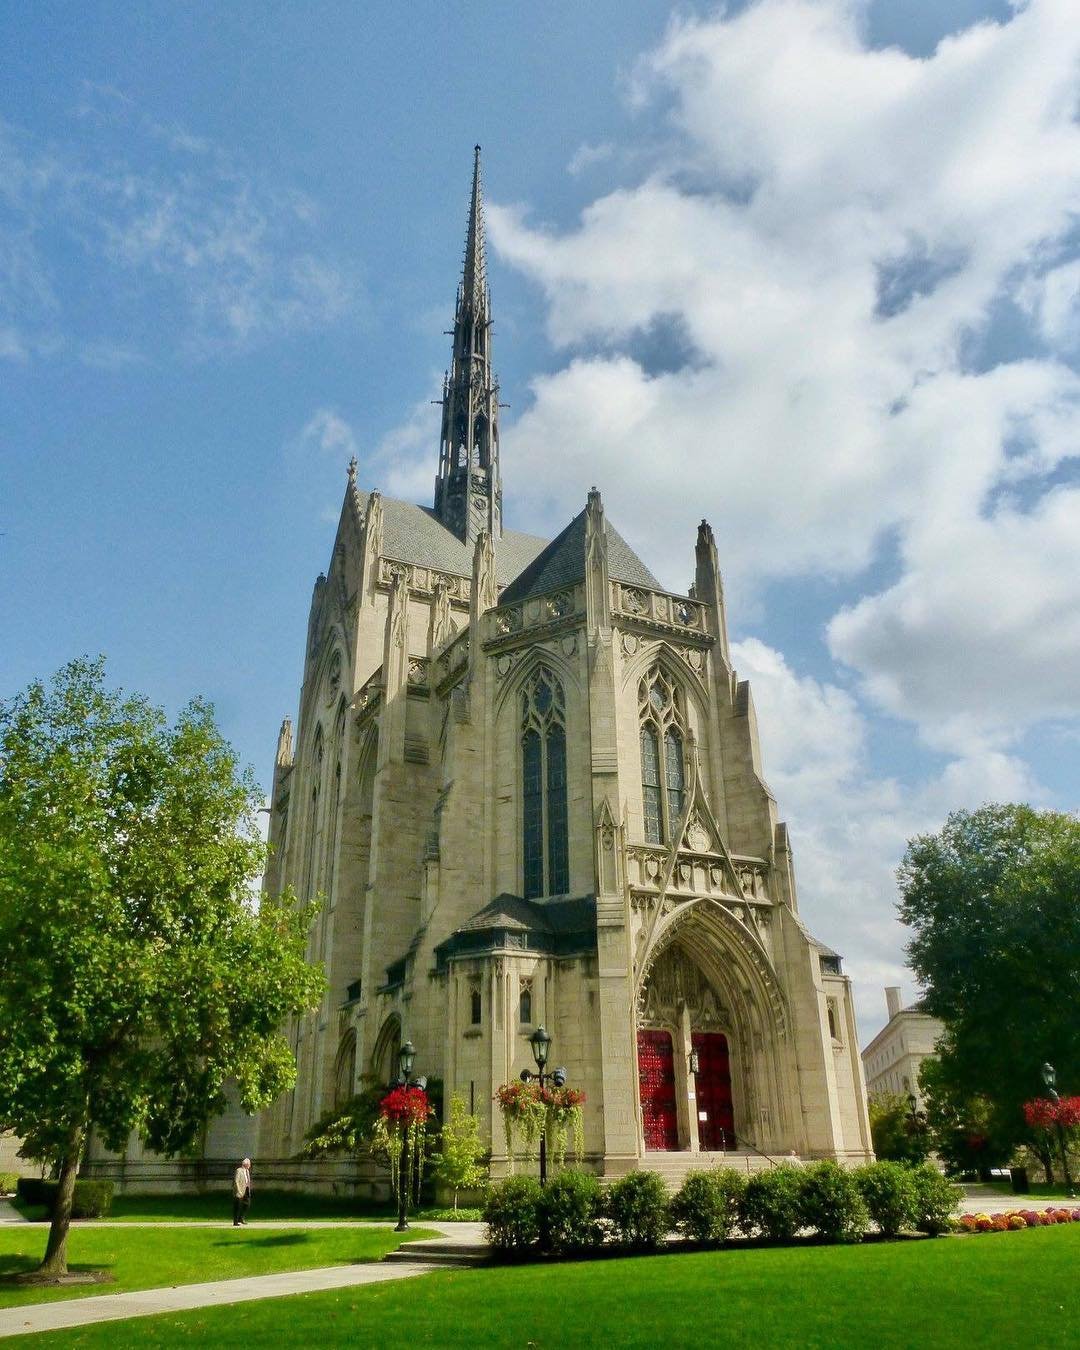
(468, 491)
(474, 274)
(352, 471)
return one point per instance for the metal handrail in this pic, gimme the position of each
(753, 1148)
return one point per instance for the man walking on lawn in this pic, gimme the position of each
(241, 1189)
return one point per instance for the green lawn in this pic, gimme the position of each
(217, 1205)
(998, 1289)
(141, 1260)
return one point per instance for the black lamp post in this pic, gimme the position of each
(406, 1058)
(540, 1041)
(1049, 1077)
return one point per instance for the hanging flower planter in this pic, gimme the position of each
(565, 1122)
(529, 1111)
(399, 1136)
(523, 1114)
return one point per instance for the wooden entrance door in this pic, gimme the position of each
(716, 1119)
(656, 1075)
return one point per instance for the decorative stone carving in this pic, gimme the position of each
(697, 837)
(560, 605)
(508, 621)
(630, 644)
(676, 982)
(635, 601)
(418, 670)
(333, 676)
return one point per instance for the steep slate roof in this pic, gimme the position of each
(563, 562)
(564, 926)
(415, 534)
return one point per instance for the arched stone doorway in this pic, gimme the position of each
(681, 1012)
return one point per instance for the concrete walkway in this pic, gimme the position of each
(980, 1199)
(75, 1312)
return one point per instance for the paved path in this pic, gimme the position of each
(181, 1298)
(979, 1199)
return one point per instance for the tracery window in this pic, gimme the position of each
(525, 1003)
(663, 775)
(545, 851)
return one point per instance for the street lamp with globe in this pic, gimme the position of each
(540, 1041)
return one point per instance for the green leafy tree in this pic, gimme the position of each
(136, 977)
(897, 1138)
(461, 1162)
(991, 901)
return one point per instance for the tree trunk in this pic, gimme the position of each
(54, 1263)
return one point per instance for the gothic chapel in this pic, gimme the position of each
(526, 780)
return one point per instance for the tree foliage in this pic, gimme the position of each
(461, 1161)
(991, 901)
(897, 1138)
(136, 977)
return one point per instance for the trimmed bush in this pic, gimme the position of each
(772, 1203)
(706, 1206)
(936, 1199)
(8, 1182)
(511, 1213)
(92, 1199)
(888, 1190)
(569, 1213)
(637, 1206)
(832, 1203)
(699, 1210)
(31, 1190)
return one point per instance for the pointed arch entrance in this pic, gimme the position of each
(681, 1013)
(706, 982)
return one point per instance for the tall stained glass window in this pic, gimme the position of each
(663, 771)
(545, 847)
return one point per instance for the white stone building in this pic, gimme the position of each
(526, 779)
(892, 1060)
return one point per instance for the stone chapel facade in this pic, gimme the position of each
(526, 780)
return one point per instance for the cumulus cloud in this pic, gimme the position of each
(848, 823)
(832, 233)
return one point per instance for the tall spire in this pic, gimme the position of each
(468, 489)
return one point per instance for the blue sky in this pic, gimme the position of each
(808, 267)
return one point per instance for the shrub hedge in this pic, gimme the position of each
(92, 1199)
(8, 1182)
(832, 1203)
(637, 1205)
(772, 1204)
(888, 1188)
(706, 1207)
(511, 1213)
(935, 1199)
(569, 1214)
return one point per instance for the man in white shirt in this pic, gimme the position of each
(241, 1193)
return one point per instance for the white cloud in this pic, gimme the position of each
(978, 652)
(328, 433)
(829, 237)
(848, 825)
(586, 156)
(1054, 301)
(223, 258)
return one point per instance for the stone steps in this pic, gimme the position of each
(442, 1252)
(673, 1167)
